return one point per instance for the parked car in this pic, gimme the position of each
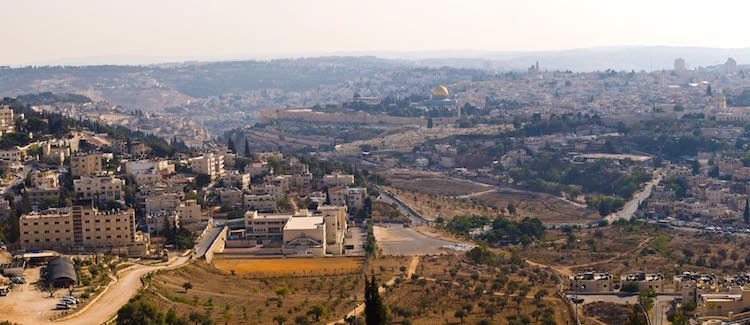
(69, 301)
(62, 306)
(19, 280)
(71, 298)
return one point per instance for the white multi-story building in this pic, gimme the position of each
(209, 164)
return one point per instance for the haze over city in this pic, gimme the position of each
(539, 162)
(98, 32)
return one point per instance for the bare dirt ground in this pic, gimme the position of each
(438, 195)
(29, 305)
(399, 241)
(549, 209)
(290, 266)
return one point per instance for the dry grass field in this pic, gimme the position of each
(247, 300)
(446, 284)
(632, 248)
(290, 266)
(432, 183)
(436, 195)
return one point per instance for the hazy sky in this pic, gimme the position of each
(34, 31)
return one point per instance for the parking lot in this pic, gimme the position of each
(394, 239)
(27, 300)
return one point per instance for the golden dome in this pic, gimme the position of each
(440, 91)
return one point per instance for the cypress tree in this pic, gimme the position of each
(375, 311)
(746, 214)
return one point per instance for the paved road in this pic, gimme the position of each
(416, 219)
(208, 238)
(397, 240)
(661, 304)
(631, 206)
(97, 312)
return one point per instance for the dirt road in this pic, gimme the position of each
(31, 306)
(361, 308)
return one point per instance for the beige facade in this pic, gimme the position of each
(265, 227)
(165, 201)
(85, 164)
(6, 119)
(305, 236)
(337, 178)
(353, 197)
(209, 164)
(190, 211)
(262, 202)
(645, 281)
(231, 197)
(99, 187)
(82, 227)
(590, 282)
(236, 179)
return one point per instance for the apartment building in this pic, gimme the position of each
(353, 197)
(83, 228)
(260, 202)
(44, 185)
(265, 228)
(337, 178)
(209, 164)
(85, 164)
(236, 179)
(6, 119)
(231, 197)
(190, 211)
(99, 187)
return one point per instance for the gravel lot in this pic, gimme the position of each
(397, 240)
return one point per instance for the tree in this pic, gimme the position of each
(317, 310)
(376, 312)
(230, 145)
(539, 295)
(187, 286)
(280, 319)
(429, 123)
(247, 148)
(746, 214)
(646, 298)
(708, 91)
(226, 316)
(696, 167)
(139, 312)
(460, 314)
(202, 180)
(282, 292)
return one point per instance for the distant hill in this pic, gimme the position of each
(636, 58)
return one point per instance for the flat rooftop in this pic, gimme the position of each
(300, 223)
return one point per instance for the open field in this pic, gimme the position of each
(290, 266)
(446, 284)
(437, 195)
(432, 183)
(639, 247)
(549, 209)
(247, 300)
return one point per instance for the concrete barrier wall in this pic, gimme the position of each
(217, 245)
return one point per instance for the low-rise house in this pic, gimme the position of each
(644, 281)
(590, 282)
(337, 178)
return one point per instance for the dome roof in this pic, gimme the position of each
(440, 91)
